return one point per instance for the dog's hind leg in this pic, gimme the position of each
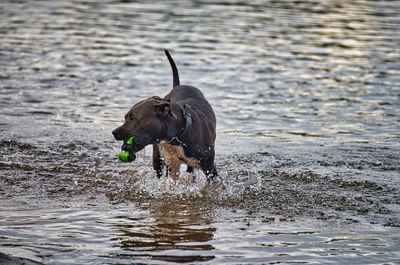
(213, 173)
(210, 170)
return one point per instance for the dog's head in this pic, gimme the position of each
(146, 121)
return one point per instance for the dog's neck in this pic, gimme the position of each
(178, 125)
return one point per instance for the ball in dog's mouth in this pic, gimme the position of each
(129, 149)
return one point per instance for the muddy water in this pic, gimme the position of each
(306, 95)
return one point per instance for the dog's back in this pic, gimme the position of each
(194, 97)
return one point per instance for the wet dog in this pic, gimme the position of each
(180, 126)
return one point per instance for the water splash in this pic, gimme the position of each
(229, 184)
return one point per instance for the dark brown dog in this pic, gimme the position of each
(180, 126)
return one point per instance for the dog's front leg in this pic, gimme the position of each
(158, 163)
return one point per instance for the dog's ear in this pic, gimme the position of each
(159, 98)
(164, 109)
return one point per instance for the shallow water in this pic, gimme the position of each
(306, 95)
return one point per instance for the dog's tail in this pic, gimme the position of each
(175, 73)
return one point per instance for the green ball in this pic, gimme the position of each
(129, 140)
(124, 156)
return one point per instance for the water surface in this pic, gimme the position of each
(306, 95)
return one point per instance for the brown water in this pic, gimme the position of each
(306, 95)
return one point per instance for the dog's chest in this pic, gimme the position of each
(174, 156)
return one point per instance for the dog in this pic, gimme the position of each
(181, 126)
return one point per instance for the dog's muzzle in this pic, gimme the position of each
(134, 147)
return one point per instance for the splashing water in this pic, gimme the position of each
(229, 184)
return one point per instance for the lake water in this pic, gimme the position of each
(307, 99)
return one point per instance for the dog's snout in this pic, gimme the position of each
(121, 133)
(117, 134)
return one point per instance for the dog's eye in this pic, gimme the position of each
(129, 117)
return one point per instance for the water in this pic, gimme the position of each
(306, 95)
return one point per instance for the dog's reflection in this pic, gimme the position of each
(172, 232)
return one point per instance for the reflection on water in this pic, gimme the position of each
(181, 232)
(306, 95)
(127, 235)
